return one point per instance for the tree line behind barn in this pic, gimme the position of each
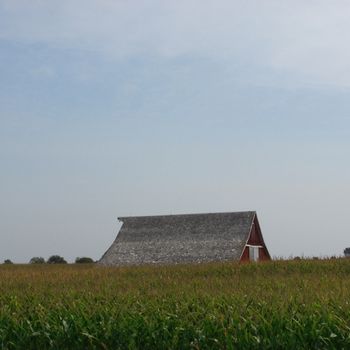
(54, 259)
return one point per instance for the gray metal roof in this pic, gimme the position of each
(175, 239)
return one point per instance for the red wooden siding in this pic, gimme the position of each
(255, 238)
(245, 255)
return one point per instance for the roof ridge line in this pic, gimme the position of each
(121, 218)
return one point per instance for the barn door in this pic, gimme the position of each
(253, 253)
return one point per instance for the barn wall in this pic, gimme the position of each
(263, 255)
(255, 238)
(245, 255)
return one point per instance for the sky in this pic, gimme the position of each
(117, 108)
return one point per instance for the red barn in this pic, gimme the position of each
(255, 248)
(190, 238)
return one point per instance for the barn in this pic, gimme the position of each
(190, 238)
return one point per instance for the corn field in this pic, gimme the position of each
(276, 305)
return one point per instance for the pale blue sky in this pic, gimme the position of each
(114, 108)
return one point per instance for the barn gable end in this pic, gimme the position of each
(255, 239)
(189, 238)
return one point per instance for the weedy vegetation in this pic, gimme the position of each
(276, 305)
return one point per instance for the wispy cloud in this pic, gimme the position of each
(304, 39)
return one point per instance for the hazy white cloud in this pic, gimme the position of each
(306, 38)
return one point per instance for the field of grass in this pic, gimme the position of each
(275, 305)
